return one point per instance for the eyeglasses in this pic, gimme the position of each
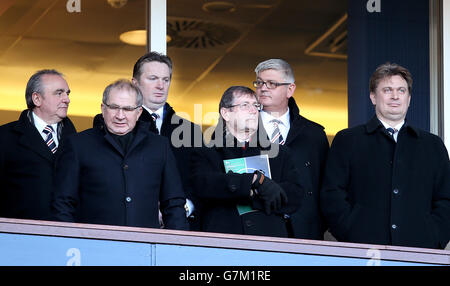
(270, 84)
(247, 106)
(115, 107)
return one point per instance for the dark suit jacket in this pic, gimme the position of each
(381, 192)
(220, 192)
(97, 182)
(183, 136)
(26, 168)
(308, 145)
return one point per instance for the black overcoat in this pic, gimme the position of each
(220, 192)
(26, 168)
(308, 145)
(381, 192)
(183, 136)
(97, 182)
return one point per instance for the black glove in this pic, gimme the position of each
(272, 195)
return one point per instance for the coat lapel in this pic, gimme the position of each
(297, 121)
(31, 139)
(295, 130)
(166, 127)
(113, 143)
(146, 117)
(138, 137)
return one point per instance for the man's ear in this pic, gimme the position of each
(373, 98)
(224, 113)
(140, 112)
(291, 90)
(102, 107)
(36, 98)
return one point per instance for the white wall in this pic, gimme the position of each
(158, 26)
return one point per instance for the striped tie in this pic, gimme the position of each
(48, 130)
(276, 135)
(154, 117)
(391, 132)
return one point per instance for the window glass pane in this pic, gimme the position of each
(213, 48)
(213, 44)
(84, 45)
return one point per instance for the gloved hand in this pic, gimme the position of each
(272, 195)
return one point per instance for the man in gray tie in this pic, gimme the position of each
(386, 181)
(28, 147)
(307, 141)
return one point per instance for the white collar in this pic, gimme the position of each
(160, 111)
(397, 127)
(267, 117)
(41, 124)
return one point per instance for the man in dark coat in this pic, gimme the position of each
(305, 139)
(152, 73)
(28, 147)
(117, 174)
(269, 201)
(387, 182)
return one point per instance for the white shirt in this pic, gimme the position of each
(284, 126)
(40, 126)
(159, 120)
(397, 127)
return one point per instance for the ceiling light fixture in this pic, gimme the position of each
(117, 3)
(137, 37)
(219, 6)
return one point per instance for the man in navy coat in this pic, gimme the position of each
(28, 147)
(152, 73)
(388, 182)
(117, 172)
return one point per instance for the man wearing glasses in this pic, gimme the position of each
(117, 172)
(249, 202)
(152, 73)
(307, 141)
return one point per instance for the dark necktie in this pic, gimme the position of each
(276, 135)
(48, 130)
(391, 132)
(154, 117)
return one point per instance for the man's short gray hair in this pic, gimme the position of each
(278, 65)
(35, 85)
(123, 84)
